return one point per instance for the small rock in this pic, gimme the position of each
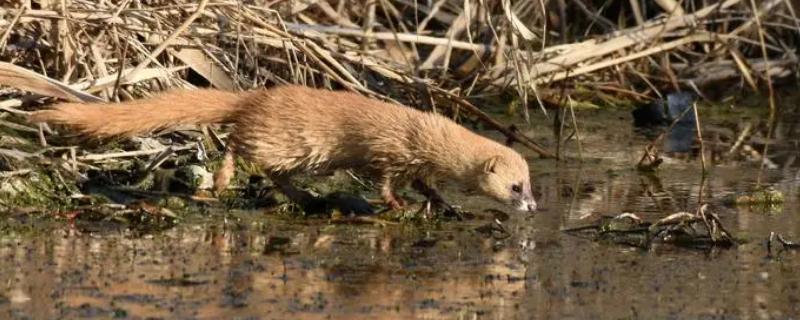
(195, 177)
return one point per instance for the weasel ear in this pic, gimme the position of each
(489, 165)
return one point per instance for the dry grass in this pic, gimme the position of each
(433, 54)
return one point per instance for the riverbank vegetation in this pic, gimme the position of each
(455, 57)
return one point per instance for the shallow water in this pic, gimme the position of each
(262, 266)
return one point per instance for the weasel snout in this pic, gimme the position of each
(526, 205)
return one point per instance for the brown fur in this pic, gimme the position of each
(290, 129)
(144, 115)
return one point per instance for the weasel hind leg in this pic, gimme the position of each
(389, 197)
(295, 194)
(223, 175)
(226, 171)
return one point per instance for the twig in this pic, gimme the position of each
(17, 127)
(786, 243)
(772, 105)
(9, 174)
(118, 81)
(740, 140)
(128, 154)
(649, 148)
(398, 36)
(10, 27)
(524, 140)
(575, 126)
(700, 138)
(8, 106)
(716, 224)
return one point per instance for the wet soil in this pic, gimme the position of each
(258, 265)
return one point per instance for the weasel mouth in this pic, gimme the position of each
(529, 205)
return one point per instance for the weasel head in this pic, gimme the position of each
(506, 178)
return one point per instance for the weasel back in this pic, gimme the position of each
(130, 118)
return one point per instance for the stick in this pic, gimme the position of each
(661, 136)
(524, 140)
(127, 154)
(700, 138)
(403, 37)
(115, 93)
(11, 25)
(575, 124)
(9, 174)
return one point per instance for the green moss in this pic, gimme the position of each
(35, 189)
(173, 203)
(762, 196)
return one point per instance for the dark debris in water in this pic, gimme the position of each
(87, 310)
(494, 230)
(138, 216)
(185, 281)
(340, 203)
(277, 244)
(698, 230)
(425, 243)
(785, 244)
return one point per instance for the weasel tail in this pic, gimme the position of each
(291, 129)
(172, 108)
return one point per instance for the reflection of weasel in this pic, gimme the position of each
(289, 129)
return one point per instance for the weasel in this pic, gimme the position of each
(290, 129)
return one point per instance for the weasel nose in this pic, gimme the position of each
(529, 206)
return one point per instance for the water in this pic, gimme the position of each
(258, 265)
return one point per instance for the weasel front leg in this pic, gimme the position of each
(434, 197)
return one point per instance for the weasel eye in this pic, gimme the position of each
(516, 188)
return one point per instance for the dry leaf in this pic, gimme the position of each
(24, 79)
(523, 31)
(206, 67)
